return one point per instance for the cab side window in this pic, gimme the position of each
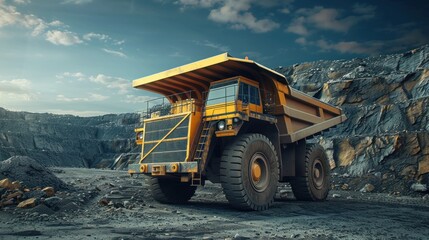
(254, 95)
(248, 94)
(243, 93)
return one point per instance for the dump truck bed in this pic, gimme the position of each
(298, 115)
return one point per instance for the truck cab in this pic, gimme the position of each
(230, 101)
(234, 95)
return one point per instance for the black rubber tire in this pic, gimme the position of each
(167, 190)
(235, 172)
(305, 187)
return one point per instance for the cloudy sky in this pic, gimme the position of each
(80, 56)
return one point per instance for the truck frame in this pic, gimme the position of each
(235, 122)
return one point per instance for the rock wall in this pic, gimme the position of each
(65, 140)
(385, 141)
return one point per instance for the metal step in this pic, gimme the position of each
(196, 179)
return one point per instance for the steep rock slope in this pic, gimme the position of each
(385, 141)
(65, 140)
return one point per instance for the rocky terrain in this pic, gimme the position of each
(384, 143)
(109, 204)
(65, 140)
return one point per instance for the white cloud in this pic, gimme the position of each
(10, 16)
(216, 46)
(236, 13)
(301, 41)
(309, 20)
(65, 38)
(16, 90)
(121, 84)
(298, 27)
(118, 42)
(331, 19)
(136, 99)
(91, 35)
(22, 1)
(211, 3)
(97, 97)
(106, 39)
(77, 2)
(198, 3)
(347, 47)
(404, 41)
(38, 25)
(115, 53)
(364, 9)
(93, 97)
(177, 54)
(77, 75)
(56, 23)
(273, 3)
(285, 10)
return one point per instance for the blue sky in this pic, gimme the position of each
(80, 56)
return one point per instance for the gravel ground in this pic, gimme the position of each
(104, 204)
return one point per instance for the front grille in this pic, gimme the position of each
(170, 150)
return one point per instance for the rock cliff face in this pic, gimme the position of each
(385, 141)
(65, 140)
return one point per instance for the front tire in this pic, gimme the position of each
(314, 185)
(167, 190)
(249, 172)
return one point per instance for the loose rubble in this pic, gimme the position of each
(29, 173)
(418, 187)
(107, 204)
(35, 193)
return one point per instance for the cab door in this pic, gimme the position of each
(249, 94)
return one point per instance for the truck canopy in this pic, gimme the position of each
(197, 76)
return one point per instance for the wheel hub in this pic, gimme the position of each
(318, 174)
(256, 172)
(259, 172)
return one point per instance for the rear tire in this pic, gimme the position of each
(249, 172)
(314, 185)
(167, 190)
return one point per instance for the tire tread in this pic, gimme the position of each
(231, 175)
(301, 185)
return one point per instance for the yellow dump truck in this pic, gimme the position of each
(235, 122)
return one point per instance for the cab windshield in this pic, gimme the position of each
(222, 92)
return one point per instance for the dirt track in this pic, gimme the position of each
(208, 215)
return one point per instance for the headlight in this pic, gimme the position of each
(140, 136)
(236, 119)
(221, 125)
